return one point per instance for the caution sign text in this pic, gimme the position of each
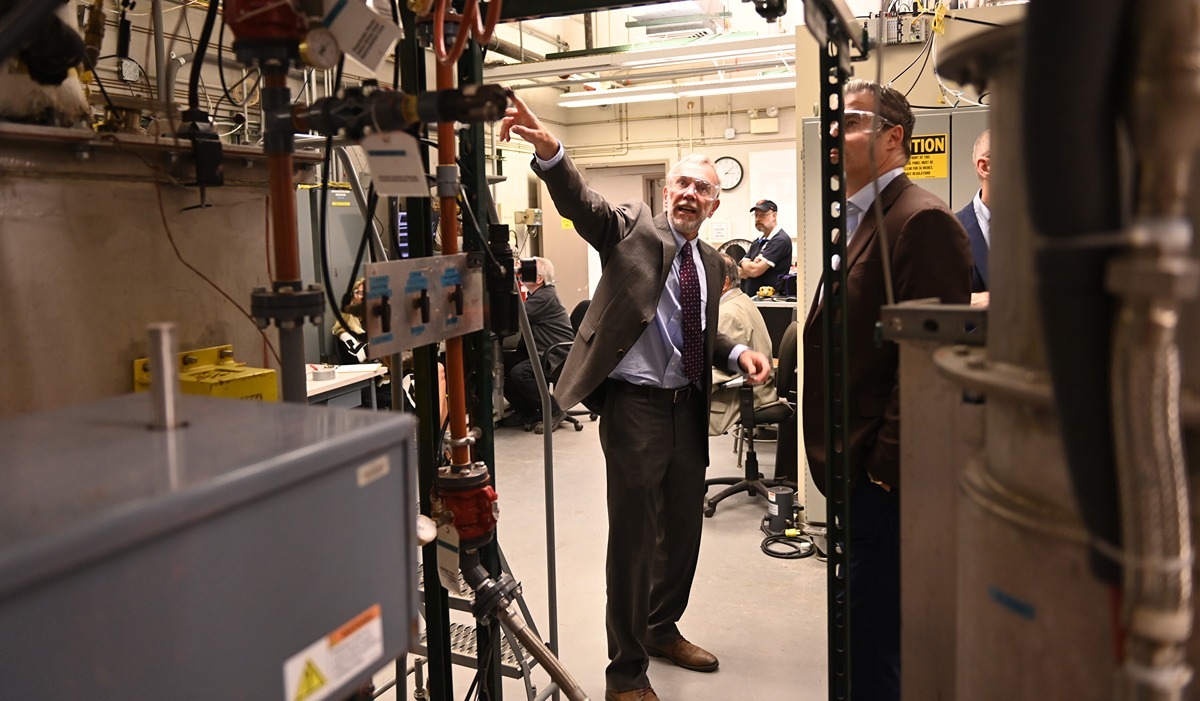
(928, 156)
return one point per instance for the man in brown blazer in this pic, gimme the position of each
(930, 257)
(644, 353)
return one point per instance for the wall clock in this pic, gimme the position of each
(730, 172)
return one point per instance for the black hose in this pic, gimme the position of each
(210, 20)
(1073, 189)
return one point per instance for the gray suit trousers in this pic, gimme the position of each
(655, 446)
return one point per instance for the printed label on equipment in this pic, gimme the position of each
(447, 551)
(361, 33)
(374, 470)
(928, 157)
(395, 163)
(314, 673)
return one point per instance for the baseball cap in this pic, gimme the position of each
(765, 206)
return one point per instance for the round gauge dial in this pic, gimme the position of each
(729, 170)
(320, 49)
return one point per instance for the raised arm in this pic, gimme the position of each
(520, 120)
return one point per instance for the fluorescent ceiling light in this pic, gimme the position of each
(694, 51)
(709, 50)
(729, 87)
(592, 98)
(649, 93)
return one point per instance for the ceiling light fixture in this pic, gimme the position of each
(711, 50)
(699, 50)
(648, 93)
(591, 98)
(730, 87)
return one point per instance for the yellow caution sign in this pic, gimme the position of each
(928, 156)
(311, 680)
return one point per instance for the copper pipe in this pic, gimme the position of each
(280, 172)
(455, 383)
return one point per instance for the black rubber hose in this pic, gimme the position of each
(1070, 140)
(210, 20)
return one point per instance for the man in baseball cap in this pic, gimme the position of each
(771, 255)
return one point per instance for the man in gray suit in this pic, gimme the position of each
(643, 355)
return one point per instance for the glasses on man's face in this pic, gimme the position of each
(861, 120)
(702, 187)
(358, 292)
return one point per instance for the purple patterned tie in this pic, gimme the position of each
(689, 299)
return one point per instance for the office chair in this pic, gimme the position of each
(569, 415)
(752, 481)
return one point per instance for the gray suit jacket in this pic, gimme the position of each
(636, 250)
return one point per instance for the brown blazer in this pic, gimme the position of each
(930, 257)
(636, 250)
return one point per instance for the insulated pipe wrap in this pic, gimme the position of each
(1073, 192)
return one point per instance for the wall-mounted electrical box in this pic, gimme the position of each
(902, 28)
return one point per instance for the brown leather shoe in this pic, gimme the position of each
(646, 694)
(686, 655)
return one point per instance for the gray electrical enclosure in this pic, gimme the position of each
(230, 559)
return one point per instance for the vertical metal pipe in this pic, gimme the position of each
(455, 382)
(160, 53)
(164, 376)
(280, 171)
(283, 217)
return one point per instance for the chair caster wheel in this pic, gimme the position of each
(709, 511)
(593, 417)
(578, 427)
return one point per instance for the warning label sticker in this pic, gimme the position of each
(928, 156)
(320, 669)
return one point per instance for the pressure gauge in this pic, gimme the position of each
(320, 49)
(729, 170)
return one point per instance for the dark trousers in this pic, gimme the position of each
(656, 450)
(521, 390)
(874, 593)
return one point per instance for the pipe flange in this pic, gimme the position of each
(464, 478)
(493, 594)
(973, 369)
(287, 305)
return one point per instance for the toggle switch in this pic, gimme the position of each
(421, 304)
(384, 311)
(457, 298)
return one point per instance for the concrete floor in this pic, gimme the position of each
(763, 617)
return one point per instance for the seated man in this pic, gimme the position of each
(741, 321)
(550, 324)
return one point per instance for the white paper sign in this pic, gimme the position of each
(363, 35)
(394, 160)
(718, 230)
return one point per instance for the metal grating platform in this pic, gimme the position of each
(463, 651)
